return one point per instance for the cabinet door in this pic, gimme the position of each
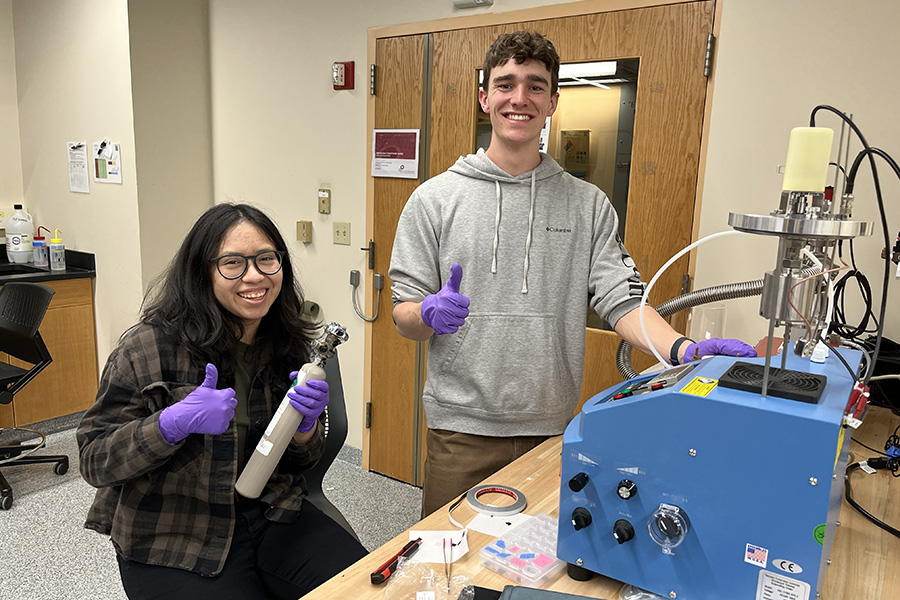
(69, 383)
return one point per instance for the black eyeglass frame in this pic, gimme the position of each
(247, 258)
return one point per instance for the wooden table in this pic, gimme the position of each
(859, 557)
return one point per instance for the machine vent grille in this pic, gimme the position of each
(783, 383)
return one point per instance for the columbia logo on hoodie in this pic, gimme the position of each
(559, 229)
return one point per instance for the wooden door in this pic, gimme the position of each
(670, 43)
(394, 414)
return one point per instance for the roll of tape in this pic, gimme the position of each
(518, 505)
(310, 309)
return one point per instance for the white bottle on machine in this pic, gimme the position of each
(286, 419)
(19, 231)
(57, 253)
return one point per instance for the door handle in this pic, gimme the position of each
(371, 250)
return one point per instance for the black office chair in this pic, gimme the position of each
(22, 308)
(335, 435)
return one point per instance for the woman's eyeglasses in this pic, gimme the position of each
(233, 266)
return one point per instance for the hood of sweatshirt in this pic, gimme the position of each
(479, 166)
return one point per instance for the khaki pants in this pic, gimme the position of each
(456, 462)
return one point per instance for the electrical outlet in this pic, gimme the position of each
(324, 201)
(342, 233)
(304, 231)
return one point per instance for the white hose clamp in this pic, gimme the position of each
(518, 505)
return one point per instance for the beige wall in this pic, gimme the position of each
(279, 132)
(74, 84)
(10, 155)
(169, 48)
(775, 62)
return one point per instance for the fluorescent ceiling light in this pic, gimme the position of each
(591, 69)
(605, 83)
(580, 81)
(580, 70)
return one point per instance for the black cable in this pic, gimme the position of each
(853, 373)
(839, 324)
(871, 449)
(848, 494)
(851, 177)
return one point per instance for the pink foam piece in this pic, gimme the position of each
(542, 560)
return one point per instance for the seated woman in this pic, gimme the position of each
(183, 400)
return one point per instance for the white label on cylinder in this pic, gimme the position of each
(281, 408)
(264, 446)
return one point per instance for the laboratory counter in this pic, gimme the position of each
(78, 265)
(69, 332)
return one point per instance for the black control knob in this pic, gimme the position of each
(581, 518)
(623, 531)
(626, 489)
(669, 526)
(577, 483)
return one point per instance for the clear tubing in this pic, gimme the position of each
(665, 364)
(726, 291)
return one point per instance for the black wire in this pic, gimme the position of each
(848, 494)
(849, 189)
(853, 439)
(839, 324)
(853, 373)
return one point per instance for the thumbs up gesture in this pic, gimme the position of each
(446, 311)
(205, 410)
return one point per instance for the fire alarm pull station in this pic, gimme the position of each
(342, 75)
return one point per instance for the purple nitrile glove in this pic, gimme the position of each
(205, 410)
(446, 311)
(309, 399)
(714, 346)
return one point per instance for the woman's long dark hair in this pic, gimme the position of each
(183, 304)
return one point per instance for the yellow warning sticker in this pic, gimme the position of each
(700, 386)
(840, 443)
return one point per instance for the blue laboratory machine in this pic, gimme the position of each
(722, 479)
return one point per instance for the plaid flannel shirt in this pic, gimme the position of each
(175, 505)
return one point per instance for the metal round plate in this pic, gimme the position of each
(797, 227)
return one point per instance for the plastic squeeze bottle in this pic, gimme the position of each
(57, 253)
(286, 419)
(39, 243)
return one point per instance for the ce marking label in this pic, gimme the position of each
(787, 566)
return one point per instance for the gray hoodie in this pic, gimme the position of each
(536, 250)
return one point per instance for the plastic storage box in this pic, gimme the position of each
(527, 554)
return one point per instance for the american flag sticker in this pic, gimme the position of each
(756, 555)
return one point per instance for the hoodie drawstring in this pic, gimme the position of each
(528, 239)
(496, 231)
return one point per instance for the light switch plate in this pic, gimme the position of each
(342, 233)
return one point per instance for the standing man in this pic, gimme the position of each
(527, 244)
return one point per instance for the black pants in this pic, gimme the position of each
(266, 560)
